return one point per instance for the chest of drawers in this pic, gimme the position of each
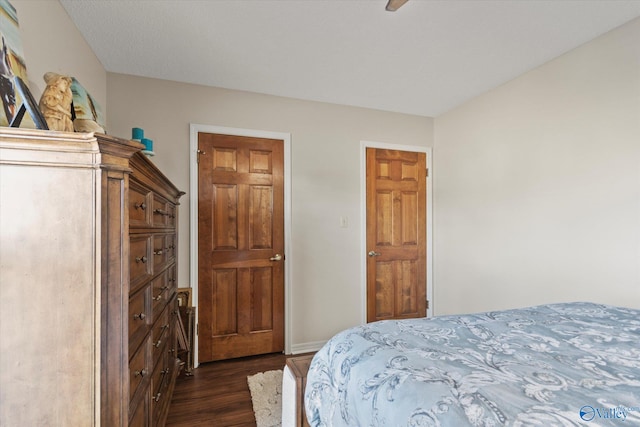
(153, 306)
(87, 281)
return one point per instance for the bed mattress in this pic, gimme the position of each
(552, 365)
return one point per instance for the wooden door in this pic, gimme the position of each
(396, 234)
(240, 246)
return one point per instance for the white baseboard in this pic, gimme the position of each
(307, 347)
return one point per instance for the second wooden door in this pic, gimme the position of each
(240, 246)
(396, 234)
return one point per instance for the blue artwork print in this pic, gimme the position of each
(12, 65)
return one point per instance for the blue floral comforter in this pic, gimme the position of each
(571, 364)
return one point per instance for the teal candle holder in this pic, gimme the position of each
(148, 144)
(137, 134)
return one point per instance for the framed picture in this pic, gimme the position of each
(14, 93)
(28, 106)
(184, 297)
(85, 107)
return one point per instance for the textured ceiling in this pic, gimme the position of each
(424, 59)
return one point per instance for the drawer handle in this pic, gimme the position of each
(142, 206)
(156, 398)
(157, 344)
(164, 327)
(164, 288)
(158, 298)
(141, 373)
(139, 316)
(173, 350)
(165, 371)
(160, 212)
(141, 259)
(158, 252)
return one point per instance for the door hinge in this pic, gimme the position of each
(427, 304)
(198, 327)
(427, 172)
(200, 152)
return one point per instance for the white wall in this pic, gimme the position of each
(52, 42)
(325, 152)
(537, 185)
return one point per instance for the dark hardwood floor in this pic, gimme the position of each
(217, 394)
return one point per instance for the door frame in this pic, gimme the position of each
(194, 129)
(363, 219)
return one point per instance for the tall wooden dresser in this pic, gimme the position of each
(153, 306)
(88, 245)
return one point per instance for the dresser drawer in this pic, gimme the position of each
(172, 282)
(171, 219)
(140, 368)
(140, 261)
(174, 312)
(160, 293)
(160, 335)
(170, 247)
(139, 413)
(163, 213)
(159, 387)
(159, 252)
(139, 316)
(139, 205)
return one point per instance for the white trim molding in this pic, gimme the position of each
(194, 129)
(363, 218)
(308, 347)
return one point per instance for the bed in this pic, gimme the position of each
(568, 364)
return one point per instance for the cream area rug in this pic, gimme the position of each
(266, 396)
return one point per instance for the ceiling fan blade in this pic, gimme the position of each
(394, 5)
